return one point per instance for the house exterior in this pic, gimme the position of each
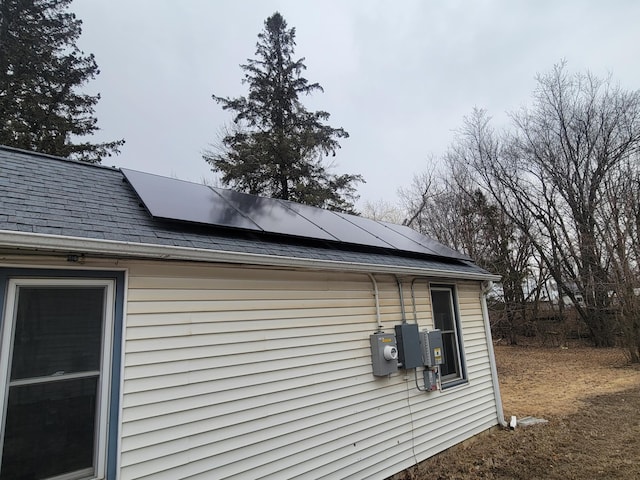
(135, 347)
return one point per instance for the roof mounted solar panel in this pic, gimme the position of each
(436, 248)
(173, 199)
(272, 216)
(337, 225)
(397, 240)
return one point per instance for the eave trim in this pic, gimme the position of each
(119, 249)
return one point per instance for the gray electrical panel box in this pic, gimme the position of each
(384, 353)
(432, 350)
(409, 351)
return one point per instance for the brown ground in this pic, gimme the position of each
(591, 398)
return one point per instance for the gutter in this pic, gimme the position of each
(118, 249)
(486, 287)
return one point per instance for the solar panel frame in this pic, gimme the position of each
(436, 248)
(337, 225)
(387, 235)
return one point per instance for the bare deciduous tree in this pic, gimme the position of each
(382, 210)
(557, 167)
(453, 208)
(618, 226)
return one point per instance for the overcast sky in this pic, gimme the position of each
(399, 76)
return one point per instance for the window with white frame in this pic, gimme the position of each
(55, 366)
(445, 318)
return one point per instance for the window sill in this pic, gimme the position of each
(454, 383)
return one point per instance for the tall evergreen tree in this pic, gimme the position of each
(277, 147)
(41, 70)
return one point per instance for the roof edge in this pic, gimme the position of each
(59, 243)
(34, 153)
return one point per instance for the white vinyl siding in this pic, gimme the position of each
(236, 372)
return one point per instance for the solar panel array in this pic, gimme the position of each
(172, 199)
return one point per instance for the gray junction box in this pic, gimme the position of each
(384, 353)
(409, 351)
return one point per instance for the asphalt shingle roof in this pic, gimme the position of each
(48, 195)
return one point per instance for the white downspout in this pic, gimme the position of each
(375, 294)
(486, 287)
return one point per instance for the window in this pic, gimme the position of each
(56, 378)
(445, 318)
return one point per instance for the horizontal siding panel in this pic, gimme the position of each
(229, 410)
(446, 425)
(219, 396)
(481, 378)
(239, 440)
(448, 400)
(212, 339)
(351, 451)
(174, 294)
(450, 419)
(215, 316)
(203, 357)
(285, 450)
(455, 428)
(304, 374)
(448, 414)
(276, 408)
(216, 392)
(353, 468)
(233, 318)
(320, 304)
(476, 328)
(464, 432)
(254, 461)
(351, 463)
(230, 344)
(261, 354)
(479, 356)
(469, 305)
(474, 334)
(276, 369)
(476, 348)
(283, 320)
(472, 320)
(231, 400)
(475, 340)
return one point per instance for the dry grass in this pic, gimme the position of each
(591, 398)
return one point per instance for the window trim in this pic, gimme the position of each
(461, 378)
(110, 397)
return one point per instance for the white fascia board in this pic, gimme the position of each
(118, 249)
